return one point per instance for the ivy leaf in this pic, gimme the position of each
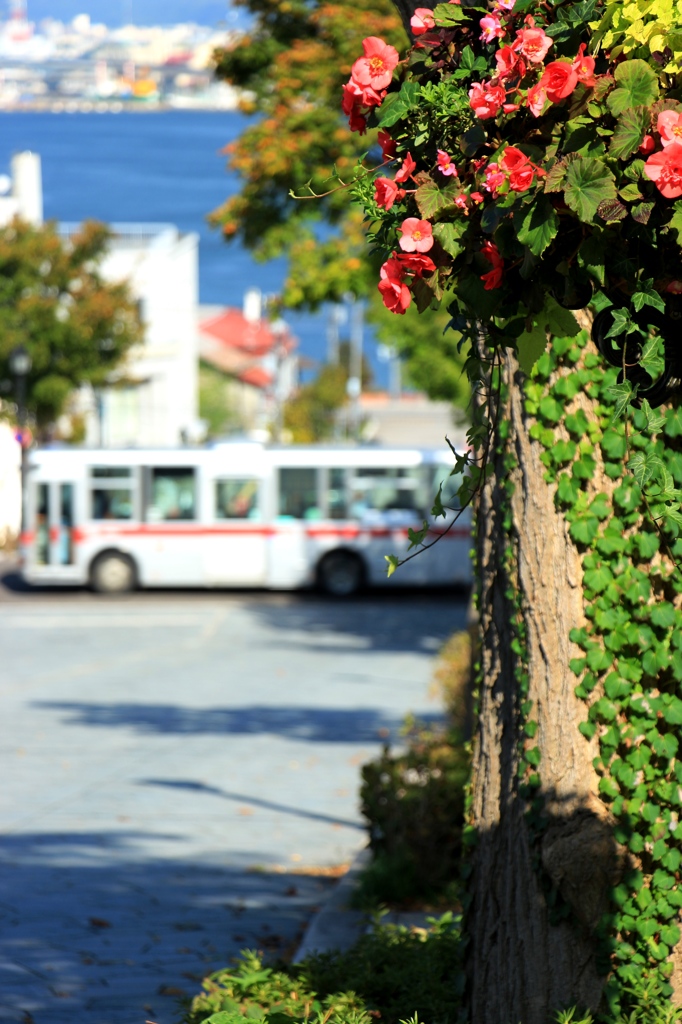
(621, 395)
(588, 183)
(636, 86)
(433, 200)
(530, 346)
(393, 563)
(622, 323)
(630, 129)
(651, 358)
(644, 465)
(654, 420)
(536, 225)
(395, 110)
(646, 295)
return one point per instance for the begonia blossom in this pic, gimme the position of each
(378, 64)
(407, 170)
(509, 63)
(533, 43)
(422, 21)
(584, 67)
(395, 294)
(386, 192)
(669, 127)
(416, 263)
(388, 145)
(417, 235)
(665, 170)
(559, 79)
(493, 279)
(445, 164)
(486, 99)
(492, 28)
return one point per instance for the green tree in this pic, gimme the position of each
(53, 301)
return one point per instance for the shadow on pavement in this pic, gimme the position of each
(95, 930)
(316, 725)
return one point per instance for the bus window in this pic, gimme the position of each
(112, 503)
(384, 490)
(43, 525)
(337, 496)
(451, 484)
(173, 494)
(65, 524)
(110, 472)
(236, 499)
(298, 494)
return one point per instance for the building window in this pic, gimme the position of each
(237, 499)
(173, 494)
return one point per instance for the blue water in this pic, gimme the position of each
(144, 167)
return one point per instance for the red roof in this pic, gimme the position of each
(257, 376)
(234, 330)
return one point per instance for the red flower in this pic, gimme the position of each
(388, 145)
(512, 159)
(533, 44)
(407, 170)
(477, 197)
(559, 79)
(445, 164)
(422, 21)
(523, 178)
(395, 294)
(416, 262)
(509, 64)
(584, 67)
(665, 169)
(486, 98)
(376, 67)
(669, 127)
(417, 235)
(493, 279)
(386, 192)
(647, 145)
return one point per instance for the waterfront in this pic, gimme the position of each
(142, 167)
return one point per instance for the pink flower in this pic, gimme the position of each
(445, 164)
(559, 79)
(536, 99)
(584, 67)
(477, 197)
(493, 279)
(505, 5)
(492, 28)
(422, 21)
(386, 192)
(388, 145)
(486, 98)
(647, 145)
(395, 294)
(533, 43)
(461, 202)
(669, 127)
(509, 64)
(417, 235)
(416, 263)
(407, 170)
(493, 179)
(376, 67)
(674, 287)
(665, 169)
(356, 102)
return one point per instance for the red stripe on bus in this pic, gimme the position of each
(27, 537)
(178, 531)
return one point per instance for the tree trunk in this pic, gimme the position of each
(521, 967)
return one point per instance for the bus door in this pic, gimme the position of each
(236, 552)
(172, 535)
(54, 519)
(290, 551)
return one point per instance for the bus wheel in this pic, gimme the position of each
(113, 573)
(340, 574)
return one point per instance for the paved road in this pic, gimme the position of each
(170, 763)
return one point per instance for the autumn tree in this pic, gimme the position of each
(53, 301)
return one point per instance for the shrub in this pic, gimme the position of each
(387, 975)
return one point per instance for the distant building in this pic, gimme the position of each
(254, 360)
(408, 420)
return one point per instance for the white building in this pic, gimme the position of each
(153, 400)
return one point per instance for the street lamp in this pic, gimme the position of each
(20, 364)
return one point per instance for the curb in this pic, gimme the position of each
(336, 925)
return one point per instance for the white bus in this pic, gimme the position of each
(238, 515)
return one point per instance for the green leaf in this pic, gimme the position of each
(560, 322)
(636, 86)
(644, 465)
(449, 235)
(395, 110)
(433, 200)
(393, 563)
(449, 14)
(536, 225)
(530, 345)
(621, 396)
(652, 359)
(675, 222)
(646, 295)
(627, 137)
(588, 183)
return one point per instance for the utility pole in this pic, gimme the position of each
(354, 385)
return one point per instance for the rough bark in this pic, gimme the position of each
(521, 967)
